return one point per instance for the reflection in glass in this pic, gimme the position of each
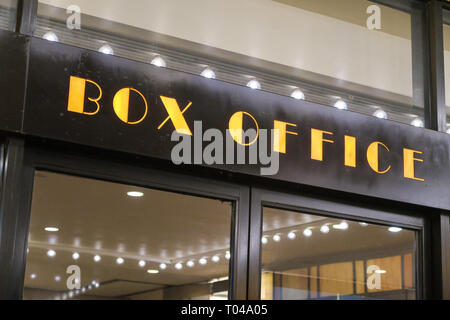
(8, 12)
(324, 258)
(92, 239)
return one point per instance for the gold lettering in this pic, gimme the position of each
(235, 125)
(350, 151)
(77, 89)
(121, 105)
(176, 115)
(317, 141)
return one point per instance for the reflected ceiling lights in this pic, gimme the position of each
(264, 240)
(120, 260)
(51, 253)
(163, 266)
(141, 263)
(51, 229)
(298, 94)
(208, 73)
(106, 49)
(57, 278)
(152, 271)
(215, 258)
(307, 232)
(227, 255)
(341, 226)
(324, 229)
(341, 105)
(276, 238)
(178, 266)
(50, 36)
(135, 194)
(380, 271)
(292, 235)
(33, 276)
(203, 261)
(363, 224)
(75, 256)
(254, 84)
(97, 258)
(395, 229)
(158, 61)
(190, 263)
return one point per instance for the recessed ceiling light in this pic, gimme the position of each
(158, 61)
(380, 114)
(227, 255)
(33, 276)
(292, 235)
(254, 84)
(178, 266)
(341, 226)
(97, 258)
(50, 36)
(203, 261)
(106, 49)
(264, 240)
(51, 253)
(215, 258)
(142, 263)
(341, 105)
(307, 232)
(324, 229)
(417, 122)
(75, 256)
(120, 260)
(136, 194)
(57, 278)
(395, 229)
(152, 271)
(97, 284)
(51, 229)
(163, 266)
(363, 224)
(208, 73)
(298, 94)
(276, 238)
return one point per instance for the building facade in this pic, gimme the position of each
(256, 149)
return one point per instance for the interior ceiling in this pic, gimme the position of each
(98, 217)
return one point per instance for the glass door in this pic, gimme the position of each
(308, 254)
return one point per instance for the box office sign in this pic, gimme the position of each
(103, 101)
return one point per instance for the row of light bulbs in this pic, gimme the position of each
(325, 228)
(142, 263)
(253, 83)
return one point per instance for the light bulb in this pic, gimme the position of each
(135, 194)
(163, 266)
(254, 84)
(141, 263)
(51, 253)
(33, 276)
(202, 261)
(341, 105)
(292, 235)
(215, 258)
(307, 232)
(208, 73)
(190, 263)
(417, 122)
(276, 238)
(227, 255)
(158, 61)
(178, 266)
(395, 229)
(97, 258)
(106, 49)
(97, 284)
(120, 260)
(264, 240)
(50, 36)
(380, 113)
(75, 256)
(324, 229)
(152, 271)
(298, 94)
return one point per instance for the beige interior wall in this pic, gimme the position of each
(274, 31)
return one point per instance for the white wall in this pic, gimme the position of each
(271, 31)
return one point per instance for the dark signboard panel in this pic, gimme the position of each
(145, 129)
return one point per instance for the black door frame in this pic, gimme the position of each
(24, 159)
(336, 208)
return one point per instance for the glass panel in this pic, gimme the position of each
(8, 12)
(313, 257)
(92, 239)
(350, 54)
